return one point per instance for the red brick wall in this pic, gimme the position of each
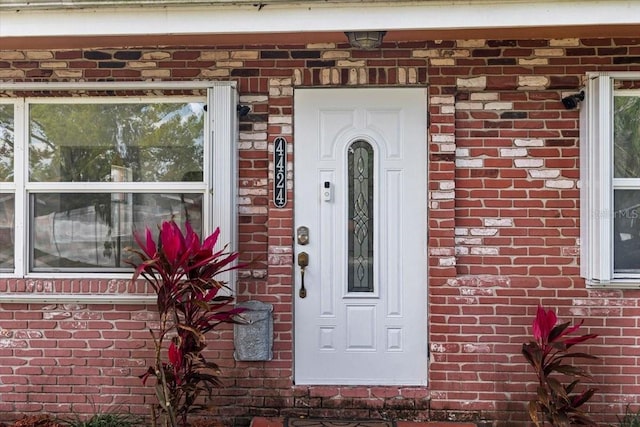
(504, 210)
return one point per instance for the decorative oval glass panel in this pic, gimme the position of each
(360, 242)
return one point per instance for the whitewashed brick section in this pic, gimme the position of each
(529, 143)
(442, 62)
(559, 183)
(469, 106)
(448, 109)
(484, 96)
(533, 61)
(438, 100)
(484, 231)
(529, 163)
(447, 262)
(498, 222)
(461, 250)
(469, 163)
(443, 137)
(462, 152)
(564, 42)
(460, 231)
(484, 251)
(513, 152)
(447, 185)
(472, 83)
(471, 43)
(426, 53)
(544, 173)
(441, 251)
(498, 106)
(443, 195)
(548, 52)
(468, 241)
(532, 81)
(448, 148)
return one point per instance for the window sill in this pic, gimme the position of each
(614, 284)
(24, 298)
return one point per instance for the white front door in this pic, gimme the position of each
(361, 191)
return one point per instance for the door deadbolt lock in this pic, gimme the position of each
(302, 234)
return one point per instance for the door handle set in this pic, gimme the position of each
(303, 262)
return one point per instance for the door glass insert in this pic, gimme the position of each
(360, 176)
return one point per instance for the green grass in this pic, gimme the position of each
(630, 418)
(106, 420)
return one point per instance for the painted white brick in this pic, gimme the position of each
(461, 250)
(443, 137)
(532, 81)
(533, 61)
(564, 42)
(468, 241)
(513, 152)
(484, 251)
(471, 43)
(548, 52)
(447, 148)
(529, 142)
(448, 109)
(462, 152)
(443, 195)
(442, 62)
(447, 262)
(469, 106)
(441, 251)
(350, 63)
(279, 119)
(280, 82)
(498, 222)
(252, 135)
(437, 100)
(559, 183)
(484, 231)
(461, 231)
(335, 54)
(499, 106)
(426, 53)
(529, 163)
(447, 185)
(472, 83)
(484, 96)
(544, 173)
(469, 163)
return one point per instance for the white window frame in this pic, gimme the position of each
(219, 185)
(597, 183)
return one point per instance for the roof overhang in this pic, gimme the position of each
(93, 23)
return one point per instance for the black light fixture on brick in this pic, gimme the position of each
(570, 102)
(365, 39)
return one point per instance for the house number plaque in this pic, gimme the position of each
(280, 172)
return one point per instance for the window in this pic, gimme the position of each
(360, 169)
(610, 178)
(80, 174)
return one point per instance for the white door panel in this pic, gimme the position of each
(373, 332)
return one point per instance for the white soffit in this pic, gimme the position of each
(151, 18)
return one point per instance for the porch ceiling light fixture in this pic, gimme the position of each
(365, 39)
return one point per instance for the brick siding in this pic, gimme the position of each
(503, 234)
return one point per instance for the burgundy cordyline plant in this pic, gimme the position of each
(191, 302)
(555, 402)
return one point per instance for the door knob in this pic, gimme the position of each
(303, 262)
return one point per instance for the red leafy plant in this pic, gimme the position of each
(556, 402)
(191, 301)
